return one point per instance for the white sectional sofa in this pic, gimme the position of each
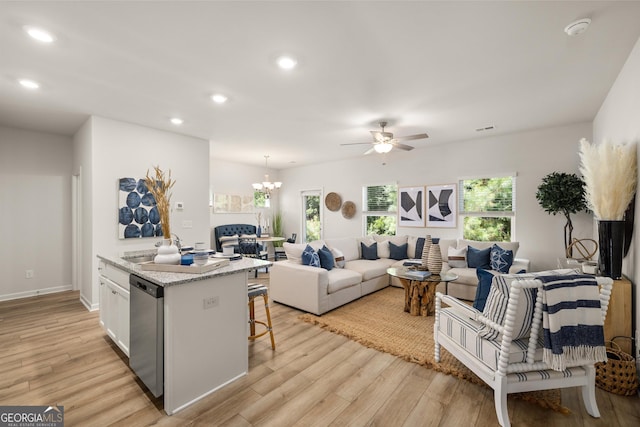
(317, 290)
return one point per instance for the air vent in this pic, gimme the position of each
(482, 129)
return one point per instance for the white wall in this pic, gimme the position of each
(35, 212)
(235, 178)
(619, 120)
(124, 150)
(531, 155)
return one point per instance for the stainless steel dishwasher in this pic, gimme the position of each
(146, 346)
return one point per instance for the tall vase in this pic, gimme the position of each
(435, 259)
(168, 253)
(425, 252)
(258, 231)
(611, 241)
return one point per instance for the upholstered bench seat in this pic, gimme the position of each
(464, 331)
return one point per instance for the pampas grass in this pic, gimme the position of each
(160, 187)
(610, 174)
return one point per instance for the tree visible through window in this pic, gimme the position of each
(380, 209)
(488, 208)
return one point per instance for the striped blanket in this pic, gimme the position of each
(571, 321)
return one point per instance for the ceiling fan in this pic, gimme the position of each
(383, 142)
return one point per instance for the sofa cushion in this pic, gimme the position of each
(349, 246)
(294, 251)
(457, 258)
(370, 269)
(369, 252)
(465, 332)
(384, 250)
(326, 258)
(310, 257)
(479, 258)
(485, 277)
(465, 275)
(397, 252)
(341, 278)
(501, 259)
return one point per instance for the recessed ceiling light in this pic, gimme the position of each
(219, 98)
(286, 62)
(177, 121)
(39, 34)
(29, 84)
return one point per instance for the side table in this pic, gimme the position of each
(419, 293)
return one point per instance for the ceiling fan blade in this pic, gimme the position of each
(402, 146)
(410, 137)
(369, 151)
(357, 143)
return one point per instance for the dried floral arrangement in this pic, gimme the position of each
(610, 174)
(160, 187)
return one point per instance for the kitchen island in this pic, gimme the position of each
(205, 325)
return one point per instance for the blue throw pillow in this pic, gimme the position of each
(484, 286)
(398, 252)
(326, 258)
(485, 277)
(369, 252)
(479, 258)
(419, 247)
(501, 259)
(310, 257)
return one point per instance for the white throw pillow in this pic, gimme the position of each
(294, 251)
(457, 258)
(338, 257)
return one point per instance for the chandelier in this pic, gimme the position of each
(266, 186)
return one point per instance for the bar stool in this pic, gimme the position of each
(254, 291)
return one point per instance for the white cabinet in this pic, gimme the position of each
(114, 304)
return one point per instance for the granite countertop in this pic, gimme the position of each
(166, 279)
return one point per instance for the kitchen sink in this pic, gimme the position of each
(139, 259)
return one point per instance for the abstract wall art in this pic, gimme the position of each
(232, 203)
(441, 206)
(137, 213)
(411, 207)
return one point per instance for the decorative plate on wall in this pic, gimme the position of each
(333, 201)
(348, 210)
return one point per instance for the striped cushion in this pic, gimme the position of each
(496, 305)
(465, 332)
(226, 241)
(521, 377)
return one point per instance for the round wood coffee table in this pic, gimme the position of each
(419, 292)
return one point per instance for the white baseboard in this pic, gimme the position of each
(88, 305)
(36, 292)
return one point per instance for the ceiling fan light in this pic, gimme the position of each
(383, 147)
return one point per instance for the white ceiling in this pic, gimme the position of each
(444, 68)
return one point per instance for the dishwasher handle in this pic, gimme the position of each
(146, 286)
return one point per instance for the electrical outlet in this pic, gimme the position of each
(210, 302)
(28, 274)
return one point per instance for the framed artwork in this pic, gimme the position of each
(411, 207)
(138, 215)
(442, 206)
(232, 203)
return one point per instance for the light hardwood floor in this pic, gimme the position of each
(54, 352)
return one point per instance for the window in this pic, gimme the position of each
(311, 216)
(380, 209)
(487, 208)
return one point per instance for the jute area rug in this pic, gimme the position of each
(378, 321)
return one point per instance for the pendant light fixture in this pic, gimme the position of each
(266, 186)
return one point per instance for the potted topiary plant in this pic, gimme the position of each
(565, 194)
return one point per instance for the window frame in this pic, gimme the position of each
(366, 213)
(462, 213)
